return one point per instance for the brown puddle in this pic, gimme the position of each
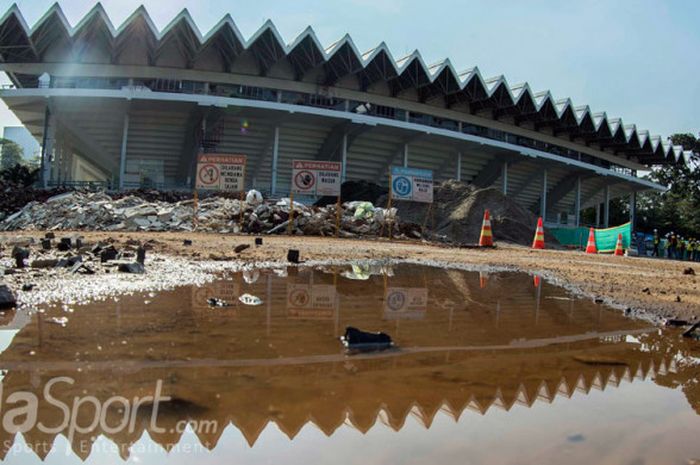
(488, 369)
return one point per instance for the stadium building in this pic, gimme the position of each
(132, 106)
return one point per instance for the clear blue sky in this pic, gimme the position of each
(636, 59)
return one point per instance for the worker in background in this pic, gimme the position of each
(691, 249)
(657, 242)
(672, 245)
(681, 248)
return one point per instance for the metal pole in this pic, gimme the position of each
(505, 178)
(606, 220)
(344, 158)
(122, 154)
(577, 207)
(275, 156)
(633, 208)
(459, 166)
(405, 155)
(543, 199)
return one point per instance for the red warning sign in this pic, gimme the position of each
(310, 177)
(221, 172)
(208, 175)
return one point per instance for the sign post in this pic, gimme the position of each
(219, 172)
(411, 184)
(317, 178)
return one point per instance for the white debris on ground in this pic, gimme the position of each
(97, 211)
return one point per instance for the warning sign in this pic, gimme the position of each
(405, 303)
(411, 184)
(311, 301)
(316, 177)
(221, 172)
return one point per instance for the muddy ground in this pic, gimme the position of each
(645, 287)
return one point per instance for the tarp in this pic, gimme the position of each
(605, 239)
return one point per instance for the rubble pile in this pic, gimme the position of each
(97, 211)
(458, 210)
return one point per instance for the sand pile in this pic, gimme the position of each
(458, 211)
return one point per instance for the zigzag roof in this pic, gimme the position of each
(345, 58)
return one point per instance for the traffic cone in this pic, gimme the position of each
(486, 238)
(590, 247)
(618, 247)
(483, 279)
(538, 243)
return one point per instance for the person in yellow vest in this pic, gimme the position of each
(657, 242)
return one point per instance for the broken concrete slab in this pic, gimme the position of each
(132, 267)
(7, 298)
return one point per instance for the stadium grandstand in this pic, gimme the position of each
(132, 106)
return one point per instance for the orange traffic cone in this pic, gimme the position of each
(536, 281)
(618, 247)
(483, 279)
(538, 243)
(590, 247)
(486, 238)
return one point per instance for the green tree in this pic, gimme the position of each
(677, 209)
(11, 154)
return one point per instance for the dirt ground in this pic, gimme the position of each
(642, 286)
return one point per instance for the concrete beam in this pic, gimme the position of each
(400, 148)
(564, 187)
(87, 145)
(493, 169)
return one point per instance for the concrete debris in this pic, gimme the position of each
(675, 323)
(293, 256)
(693, 332)
(248, 299)
(241, 248)
(61, 321)
(134, 268)
(7, 298)
(99, 211)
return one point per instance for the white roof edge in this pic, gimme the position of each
(462, 78)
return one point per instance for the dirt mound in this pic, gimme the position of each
(458, 211)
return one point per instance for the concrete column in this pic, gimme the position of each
(405, 155)
(633, 208)
(504, 176)
(122, 153)
(47, 147)
(577, 206)
(543, 198)
(275, 157)
(56, 163)
(459, 166)
(344, 158)
(606, 218)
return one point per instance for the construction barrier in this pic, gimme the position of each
(605, 239)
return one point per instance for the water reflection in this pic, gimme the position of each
(468, 341)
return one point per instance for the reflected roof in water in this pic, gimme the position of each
(466, 341)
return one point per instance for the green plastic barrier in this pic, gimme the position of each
(605, 239)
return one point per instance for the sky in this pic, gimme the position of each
(634, 59)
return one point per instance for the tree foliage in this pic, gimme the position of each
(677, 209)
(11, 154)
